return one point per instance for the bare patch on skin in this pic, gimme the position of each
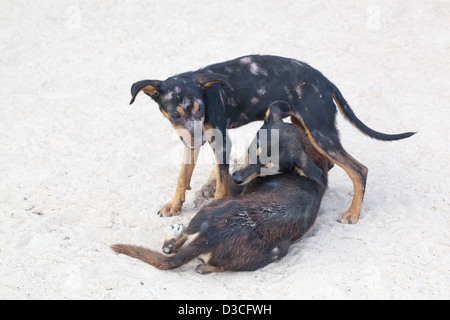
(185, 103)
(261, 91)
(254, 68)
(257, 70)
(288, 92)
(254, 100)
(168, 96)
(298, 89)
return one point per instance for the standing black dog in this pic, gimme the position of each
(256, 225)
(233, 93)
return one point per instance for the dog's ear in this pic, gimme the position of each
(309, 169)
(204, 80)
(277, 111)
(150, 88)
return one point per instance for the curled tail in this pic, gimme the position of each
(349, 114)
(157, 259)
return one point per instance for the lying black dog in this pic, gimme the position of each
(248, 231)
(231, 94)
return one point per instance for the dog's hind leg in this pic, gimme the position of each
(221, 150)
(325, 140)
(358, 174)
(318, 158)
(355, 170)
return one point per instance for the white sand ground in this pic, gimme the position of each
(80, 169)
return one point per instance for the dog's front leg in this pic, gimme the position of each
(222, 181)
(173, 207)
(222, 153)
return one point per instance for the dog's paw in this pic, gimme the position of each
(172, 208)
(349, 217)
(171, 235)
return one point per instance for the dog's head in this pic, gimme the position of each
(181, 101)
(277, 148)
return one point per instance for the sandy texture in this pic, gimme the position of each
(80, 169)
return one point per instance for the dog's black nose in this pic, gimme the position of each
(237, 178)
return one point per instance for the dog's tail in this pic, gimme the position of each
(157, 259)
(350, 115)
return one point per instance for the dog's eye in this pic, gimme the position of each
(175, 115)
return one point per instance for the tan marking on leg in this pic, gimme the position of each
(173, 207)
(221, 186)
(353, 213)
